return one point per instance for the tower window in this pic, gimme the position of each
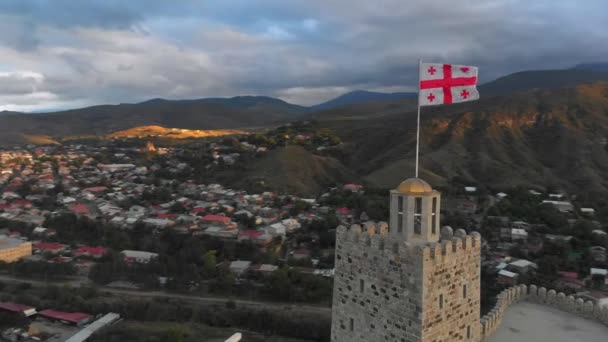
(441, 301)
(400, 214)
(361, 285)
(468, 332)
(418, 215)
(352, 324)
(434, 216)
(464, 291)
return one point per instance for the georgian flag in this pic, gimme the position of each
(447, 83)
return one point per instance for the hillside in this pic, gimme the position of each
(539, 138)
(291, 169)
(172, 133)
(360, 96)
(191, 114)
(541, 79)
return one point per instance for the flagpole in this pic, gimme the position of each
(418, 122)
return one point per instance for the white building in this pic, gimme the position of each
(239, 267)
(139, 256)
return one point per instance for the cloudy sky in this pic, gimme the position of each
(59, 54)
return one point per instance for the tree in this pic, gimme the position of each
(175, 334)
(210, 263)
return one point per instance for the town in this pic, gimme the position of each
(83, 225)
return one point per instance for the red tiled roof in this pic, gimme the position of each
(96, 189)
(353, 186)
(198, 210)
(217, 218)
(166, 216)
(48, 246)
(14, 307)
(80, 208)
(569, 275)
(97, 251)
(343, 211)
(74, 317)
(21, 203)
(253, 234)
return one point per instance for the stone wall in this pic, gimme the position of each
(377, 292)
(588, 310)
(386, 289)
(451, 288)
(492, 320)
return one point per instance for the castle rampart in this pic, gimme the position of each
(588, 310)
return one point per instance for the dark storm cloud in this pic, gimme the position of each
(301, 50)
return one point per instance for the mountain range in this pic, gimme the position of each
(533, 128)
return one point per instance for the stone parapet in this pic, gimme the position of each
(375, 238)
(559, 300)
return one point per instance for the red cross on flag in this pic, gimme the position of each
(447, 83)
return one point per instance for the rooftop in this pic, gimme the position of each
(527, 321)
(6, 242)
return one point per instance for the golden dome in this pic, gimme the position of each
(414, 185)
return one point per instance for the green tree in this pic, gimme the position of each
(210, 263)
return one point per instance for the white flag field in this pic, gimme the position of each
(446, 84)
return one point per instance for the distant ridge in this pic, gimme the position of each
(541, 79)
(235, 102)
(597, 66)
(361, 96)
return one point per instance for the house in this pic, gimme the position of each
(599, 273)
(563, 206)
(80, 209)
(76, 318)
(514, 234)
(266, 269)
(588, 211)
(19, 309)
(14, 249)
(507, 278)
(342, 211)
(239, 267)
(470, 189)
(598, 253)
(116, 167)
(353, 187)
(291, 225)
(93, 252)
(522, 266)
(300, 254)
(217, 219)
(158, 222)
(222, 232)
(277, 229)
(49, 247)
(570, 280)
(598, 298)
(136, 211)
(141, 257)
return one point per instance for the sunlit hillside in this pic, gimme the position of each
(173, 133)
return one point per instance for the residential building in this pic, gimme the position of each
(12, 250)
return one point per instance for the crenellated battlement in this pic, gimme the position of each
(375, 239)
(492, 320)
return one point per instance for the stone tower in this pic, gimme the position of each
(408, 282)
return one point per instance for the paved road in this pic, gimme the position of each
(77, 282)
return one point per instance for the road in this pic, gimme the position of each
(78, 282)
